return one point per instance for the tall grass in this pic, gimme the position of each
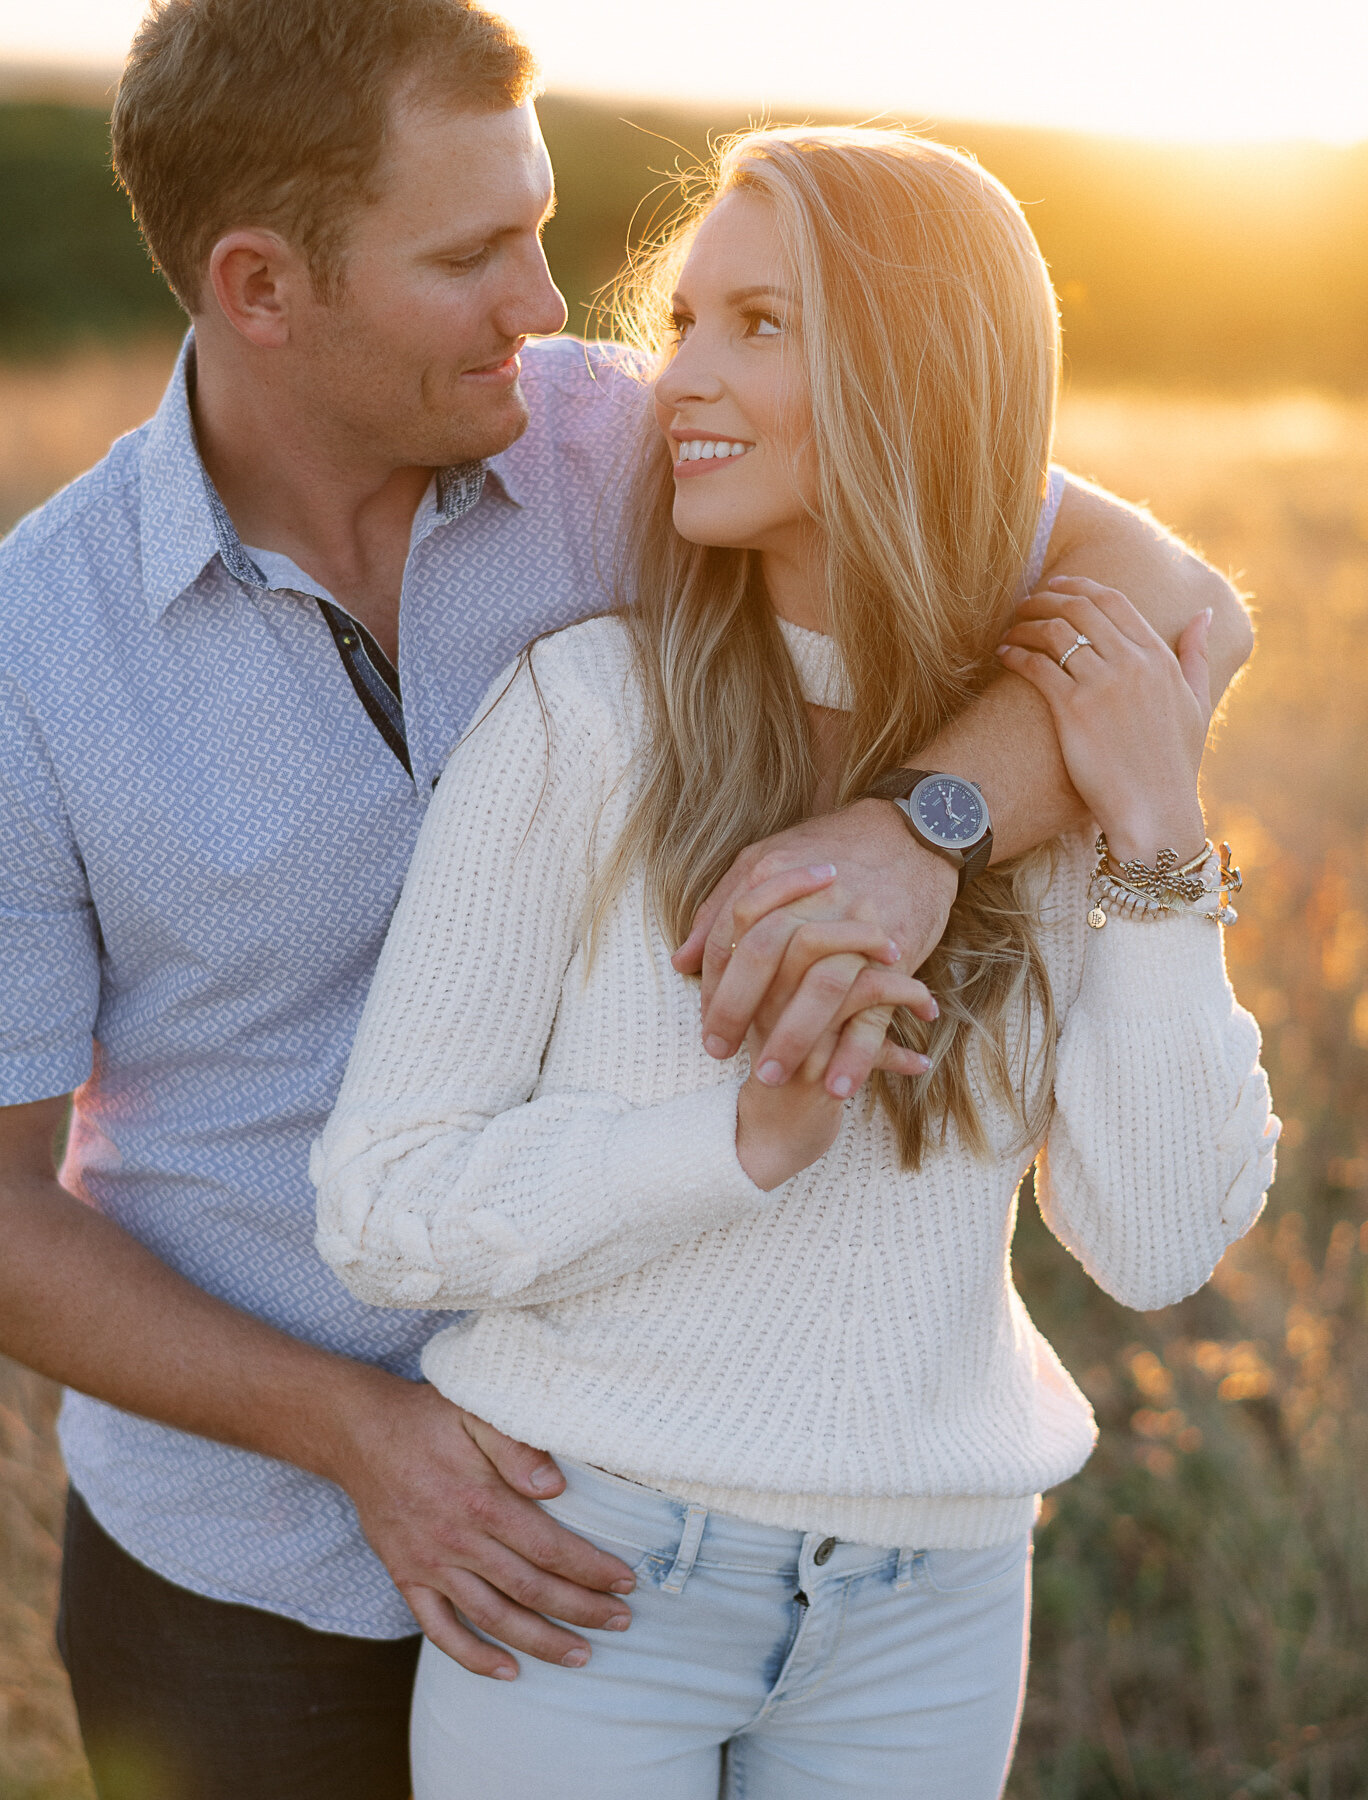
(58, 418)
(1202, 1589)
(1202, 1610)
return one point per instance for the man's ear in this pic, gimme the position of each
(256, 278)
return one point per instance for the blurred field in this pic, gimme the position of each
(1202, 1609)
(1238, 267)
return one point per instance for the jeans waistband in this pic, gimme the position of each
(642, 1519)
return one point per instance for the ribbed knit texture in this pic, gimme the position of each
(548, 1145)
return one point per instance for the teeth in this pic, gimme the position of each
(697, 449)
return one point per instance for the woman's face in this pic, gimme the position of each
(736, 389)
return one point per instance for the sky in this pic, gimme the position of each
(1207, 70)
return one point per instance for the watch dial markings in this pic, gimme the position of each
(950, 811)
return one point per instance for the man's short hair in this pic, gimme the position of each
(274, 113)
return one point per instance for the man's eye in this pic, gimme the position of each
(463, 265)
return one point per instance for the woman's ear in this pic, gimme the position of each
(254, 277)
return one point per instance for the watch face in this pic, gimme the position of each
(949, 811)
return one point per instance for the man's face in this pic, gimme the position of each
(415, 360)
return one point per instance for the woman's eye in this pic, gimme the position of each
(763, 325)
(678, 327)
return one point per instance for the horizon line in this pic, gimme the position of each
(26, 76)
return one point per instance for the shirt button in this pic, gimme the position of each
(822, 1554)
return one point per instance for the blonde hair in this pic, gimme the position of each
(929, 339)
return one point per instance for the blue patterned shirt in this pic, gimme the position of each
(203, 832)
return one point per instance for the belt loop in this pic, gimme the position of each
(902, 1578)
(694, 1521)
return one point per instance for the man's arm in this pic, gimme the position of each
(1007, 733)
(446, 1501)
(1005, 741)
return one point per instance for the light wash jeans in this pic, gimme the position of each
(761, 1664)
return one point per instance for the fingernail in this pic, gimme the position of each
(714, 1045)
(894, 951)
(543, 1479)
(822, 871)
(618, 1622)
(505, 1672)
(624, 1586)
(1207, 614)
(574, 1659)
(1059, 581)
(935, 1009)
(841, 1087)
(771, 1073)
(923, 1063)
(1002, 649)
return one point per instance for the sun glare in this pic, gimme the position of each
(1174, 69)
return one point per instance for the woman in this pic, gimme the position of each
(770, 1333)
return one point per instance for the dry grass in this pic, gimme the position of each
(39, 1755)
(57, 419)
(1203, 1589)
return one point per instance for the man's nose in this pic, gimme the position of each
(535, 307)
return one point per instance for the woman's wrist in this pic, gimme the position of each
(1136, 836)
(780, 1131)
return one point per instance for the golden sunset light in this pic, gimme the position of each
(1175, 69)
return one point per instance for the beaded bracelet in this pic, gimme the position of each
(1134, 890)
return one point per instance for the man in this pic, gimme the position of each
(234, 659)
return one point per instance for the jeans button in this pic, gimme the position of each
(822, 1554)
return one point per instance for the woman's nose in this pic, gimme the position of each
(690, 375)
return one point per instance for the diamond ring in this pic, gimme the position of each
(1079, 643)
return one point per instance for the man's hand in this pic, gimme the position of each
(747, 943)
(1004, 741)
(446, 1502)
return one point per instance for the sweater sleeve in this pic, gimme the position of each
(440, 1181)
(1160, 1151)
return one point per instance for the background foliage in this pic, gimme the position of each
(1218, 267)
(1202, 1588)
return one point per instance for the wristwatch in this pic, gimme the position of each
(946, 813)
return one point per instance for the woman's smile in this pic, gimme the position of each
(699, 454)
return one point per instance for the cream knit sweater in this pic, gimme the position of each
(548, 1145)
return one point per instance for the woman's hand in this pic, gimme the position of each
(886, 875)
(785, 1125)
(1131, 716)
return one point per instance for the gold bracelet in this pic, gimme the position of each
(1137, 891)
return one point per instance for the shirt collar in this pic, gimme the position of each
(178, 529)
(506, 467)
(184, 523)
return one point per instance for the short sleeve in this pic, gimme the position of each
(49, 941)
(1040, 543)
